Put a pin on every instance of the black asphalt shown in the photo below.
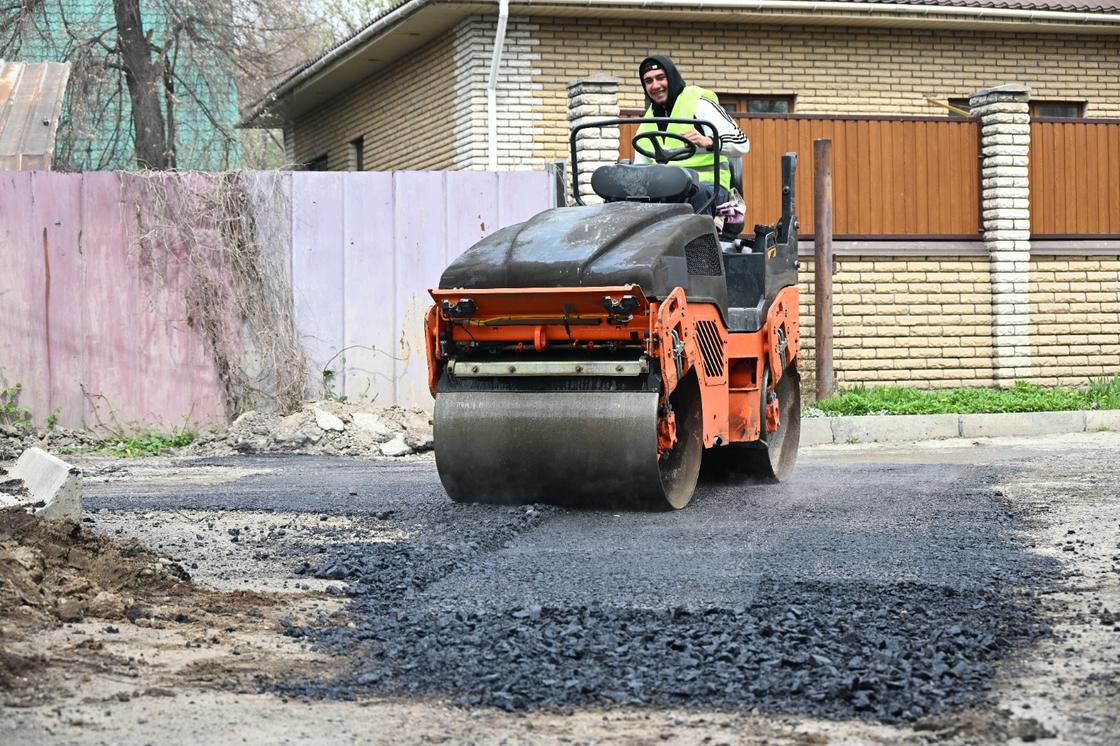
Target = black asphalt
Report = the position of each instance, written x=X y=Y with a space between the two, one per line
x=859 y=588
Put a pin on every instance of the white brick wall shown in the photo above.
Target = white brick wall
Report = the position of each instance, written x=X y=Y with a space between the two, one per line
x=517 y=95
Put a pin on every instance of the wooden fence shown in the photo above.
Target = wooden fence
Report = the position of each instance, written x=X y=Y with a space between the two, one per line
x=892 y=177
x=1075 y=178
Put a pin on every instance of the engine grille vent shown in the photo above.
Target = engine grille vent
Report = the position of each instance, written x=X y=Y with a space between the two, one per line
x=703 y=257
x=711 y=347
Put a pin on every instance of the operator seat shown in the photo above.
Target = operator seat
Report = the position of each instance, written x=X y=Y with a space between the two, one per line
x=652 y=182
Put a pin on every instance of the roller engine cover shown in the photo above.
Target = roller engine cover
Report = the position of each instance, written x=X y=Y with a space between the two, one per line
x=656 y=246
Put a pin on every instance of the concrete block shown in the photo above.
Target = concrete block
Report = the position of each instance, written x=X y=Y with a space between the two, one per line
x=1022 y=423
x=816 y=431
x=327 y=421
x=1102 y=419
x=371 y=424
x=396 y=446
x=54 y=487
x=894 y=428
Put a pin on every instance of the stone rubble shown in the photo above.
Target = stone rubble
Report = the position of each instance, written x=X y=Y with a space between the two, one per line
x=321 y=427
x=326 y=427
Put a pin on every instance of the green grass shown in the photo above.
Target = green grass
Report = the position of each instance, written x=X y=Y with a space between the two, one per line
x=1023 y=397
x=146 y=443
x=11 y=413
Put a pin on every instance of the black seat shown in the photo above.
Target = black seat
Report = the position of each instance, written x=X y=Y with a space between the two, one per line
x=736 y=173
x=624 y=182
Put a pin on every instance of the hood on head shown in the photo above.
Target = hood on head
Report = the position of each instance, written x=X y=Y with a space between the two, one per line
x=676 y=82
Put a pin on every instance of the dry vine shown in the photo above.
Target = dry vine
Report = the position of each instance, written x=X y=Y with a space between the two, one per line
x=223 y=239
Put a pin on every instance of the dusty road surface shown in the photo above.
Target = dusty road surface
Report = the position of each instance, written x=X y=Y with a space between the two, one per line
x=947 y=592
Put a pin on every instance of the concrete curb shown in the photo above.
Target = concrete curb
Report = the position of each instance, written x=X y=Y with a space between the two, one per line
x=904 y=428
x=54 y=488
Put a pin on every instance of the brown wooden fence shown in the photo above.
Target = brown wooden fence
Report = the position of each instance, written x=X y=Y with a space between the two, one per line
x=1075 y=179
x=892 y=177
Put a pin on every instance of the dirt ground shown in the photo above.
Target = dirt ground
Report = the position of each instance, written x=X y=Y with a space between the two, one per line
x=168 y=614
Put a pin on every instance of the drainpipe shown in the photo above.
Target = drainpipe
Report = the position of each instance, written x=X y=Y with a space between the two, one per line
x=492 y=86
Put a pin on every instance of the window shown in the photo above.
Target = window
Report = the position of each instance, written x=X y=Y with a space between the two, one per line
x=1062 y=109
x=1041 y=108
x=318 y=164
x=358 y=154
x=959 y=103
x=749 y=103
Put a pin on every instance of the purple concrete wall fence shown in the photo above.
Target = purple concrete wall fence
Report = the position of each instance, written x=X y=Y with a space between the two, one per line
x=383 y=239
x=82 y=328
x=87 y=332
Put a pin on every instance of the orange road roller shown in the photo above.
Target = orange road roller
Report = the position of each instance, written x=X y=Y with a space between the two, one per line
x=600 y=355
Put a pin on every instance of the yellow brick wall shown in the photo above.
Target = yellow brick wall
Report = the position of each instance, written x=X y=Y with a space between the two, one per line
x=1075 y=318
x=905 y=321
x=830 y=70
x=405 y=112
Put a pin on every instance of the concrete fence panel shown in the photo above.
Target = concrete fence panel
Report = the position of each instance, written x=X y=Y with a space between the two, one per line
x=99 y=311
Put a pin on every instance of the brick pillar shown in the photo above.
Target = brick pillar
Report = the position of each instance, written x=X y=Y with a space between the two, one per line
x=591 y=98
x=1005 y=136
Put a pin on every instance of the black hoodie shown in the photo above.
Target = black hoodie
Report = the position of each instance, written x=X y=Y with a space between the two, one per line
x=676 y=82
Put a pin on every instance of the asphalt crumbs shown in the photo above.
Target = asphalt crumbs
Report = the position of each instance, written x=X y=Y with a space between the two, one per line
x=858 y=589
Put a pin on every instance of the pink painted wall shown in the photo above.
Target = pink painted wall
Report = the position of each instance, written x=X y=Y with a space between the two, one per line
x=91 y=332
x=83 y=327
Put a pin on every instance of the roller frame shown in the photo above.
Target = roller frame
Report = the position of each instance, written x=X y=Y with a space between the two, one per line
x=681 y=337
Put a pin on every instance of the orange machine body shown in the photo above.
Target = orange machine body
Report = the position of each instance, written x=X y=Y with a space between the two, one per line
x=677 y=336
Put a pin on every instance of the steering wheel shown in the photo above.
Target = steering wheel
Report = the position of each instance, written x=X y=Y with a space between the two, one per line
x=661 y=154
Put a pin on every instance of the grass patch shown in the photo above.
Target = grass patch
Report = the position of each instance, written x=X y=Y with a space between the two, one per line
x=146 y=443
x=1022 y=397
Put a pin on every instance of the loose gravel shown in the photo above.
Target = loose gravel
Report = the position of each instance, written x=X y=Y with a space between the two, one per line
x=834 y=596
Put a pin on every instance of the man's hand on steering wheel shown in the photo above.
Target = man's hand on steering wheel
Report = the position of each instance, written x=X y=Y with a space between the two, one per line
x=701 y=141
x=660 y=152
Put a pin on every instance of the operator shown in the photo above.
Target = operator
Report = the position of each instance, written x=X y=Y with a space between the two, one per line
x=669 y=97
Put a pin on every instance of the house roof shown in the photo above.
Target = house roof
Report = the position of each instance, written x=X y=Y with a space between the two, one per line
x=408 y=24
x=30 y=106
x=1072 y=6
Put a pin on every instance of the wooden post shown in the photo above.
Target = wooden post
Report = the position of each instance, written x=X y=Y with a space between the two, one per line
x=822 y=265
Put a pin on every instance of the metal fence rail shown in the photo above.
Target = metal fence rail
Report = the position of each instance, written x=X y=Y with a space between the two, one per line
x=1075 y=179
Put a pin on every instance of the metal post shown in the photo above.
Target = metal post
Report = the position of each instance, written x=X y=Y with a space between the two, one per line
x=822 y=264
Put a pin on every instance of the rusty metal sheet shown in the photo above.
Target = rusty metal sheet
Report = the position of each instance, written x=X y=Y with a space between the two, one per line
x=30 y=107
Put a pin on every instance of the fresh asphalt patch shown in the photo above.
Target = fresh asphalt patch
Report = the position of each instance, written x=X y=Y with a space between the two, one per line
x=858 y=589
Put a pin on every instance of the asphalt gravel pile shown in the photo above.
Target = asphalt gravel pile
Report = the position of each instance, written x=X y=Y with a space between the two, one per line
x=842 y=644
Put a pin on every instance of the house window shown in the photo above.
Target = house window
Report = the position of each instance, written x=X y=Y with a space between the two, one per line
x=1059 y=109
x=1041 y=108
x=318 y=164
x=358 y=154
x=748 y=103
x=958 y=103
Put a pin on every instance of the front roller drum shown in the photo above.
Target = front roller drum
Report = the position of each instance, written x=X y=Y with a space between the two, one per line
x=596 y=450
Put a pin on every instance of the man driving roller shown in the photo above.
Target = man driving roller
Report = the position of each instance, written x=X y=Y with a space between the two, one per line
x=669 y=97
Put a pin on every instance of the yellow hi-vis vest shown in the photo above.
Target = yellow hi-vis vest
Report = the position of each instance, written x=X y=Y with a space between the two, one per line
x=685 y=108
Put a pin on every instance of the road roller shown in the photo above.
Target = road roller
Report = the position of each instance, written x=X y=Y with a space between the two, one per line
x=599 y=355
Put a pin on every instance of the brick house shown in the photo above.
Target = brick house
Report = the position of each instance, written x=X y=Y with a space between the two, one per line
x=1021 y=278
x=423 y=66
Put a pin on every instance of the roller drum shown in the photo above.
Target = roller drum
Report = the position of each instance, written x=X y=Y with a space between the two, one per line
x=588 y=449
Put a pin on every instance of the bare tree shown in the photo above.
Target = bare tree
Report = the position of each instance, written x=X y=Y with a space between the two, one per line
x=159 y=82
